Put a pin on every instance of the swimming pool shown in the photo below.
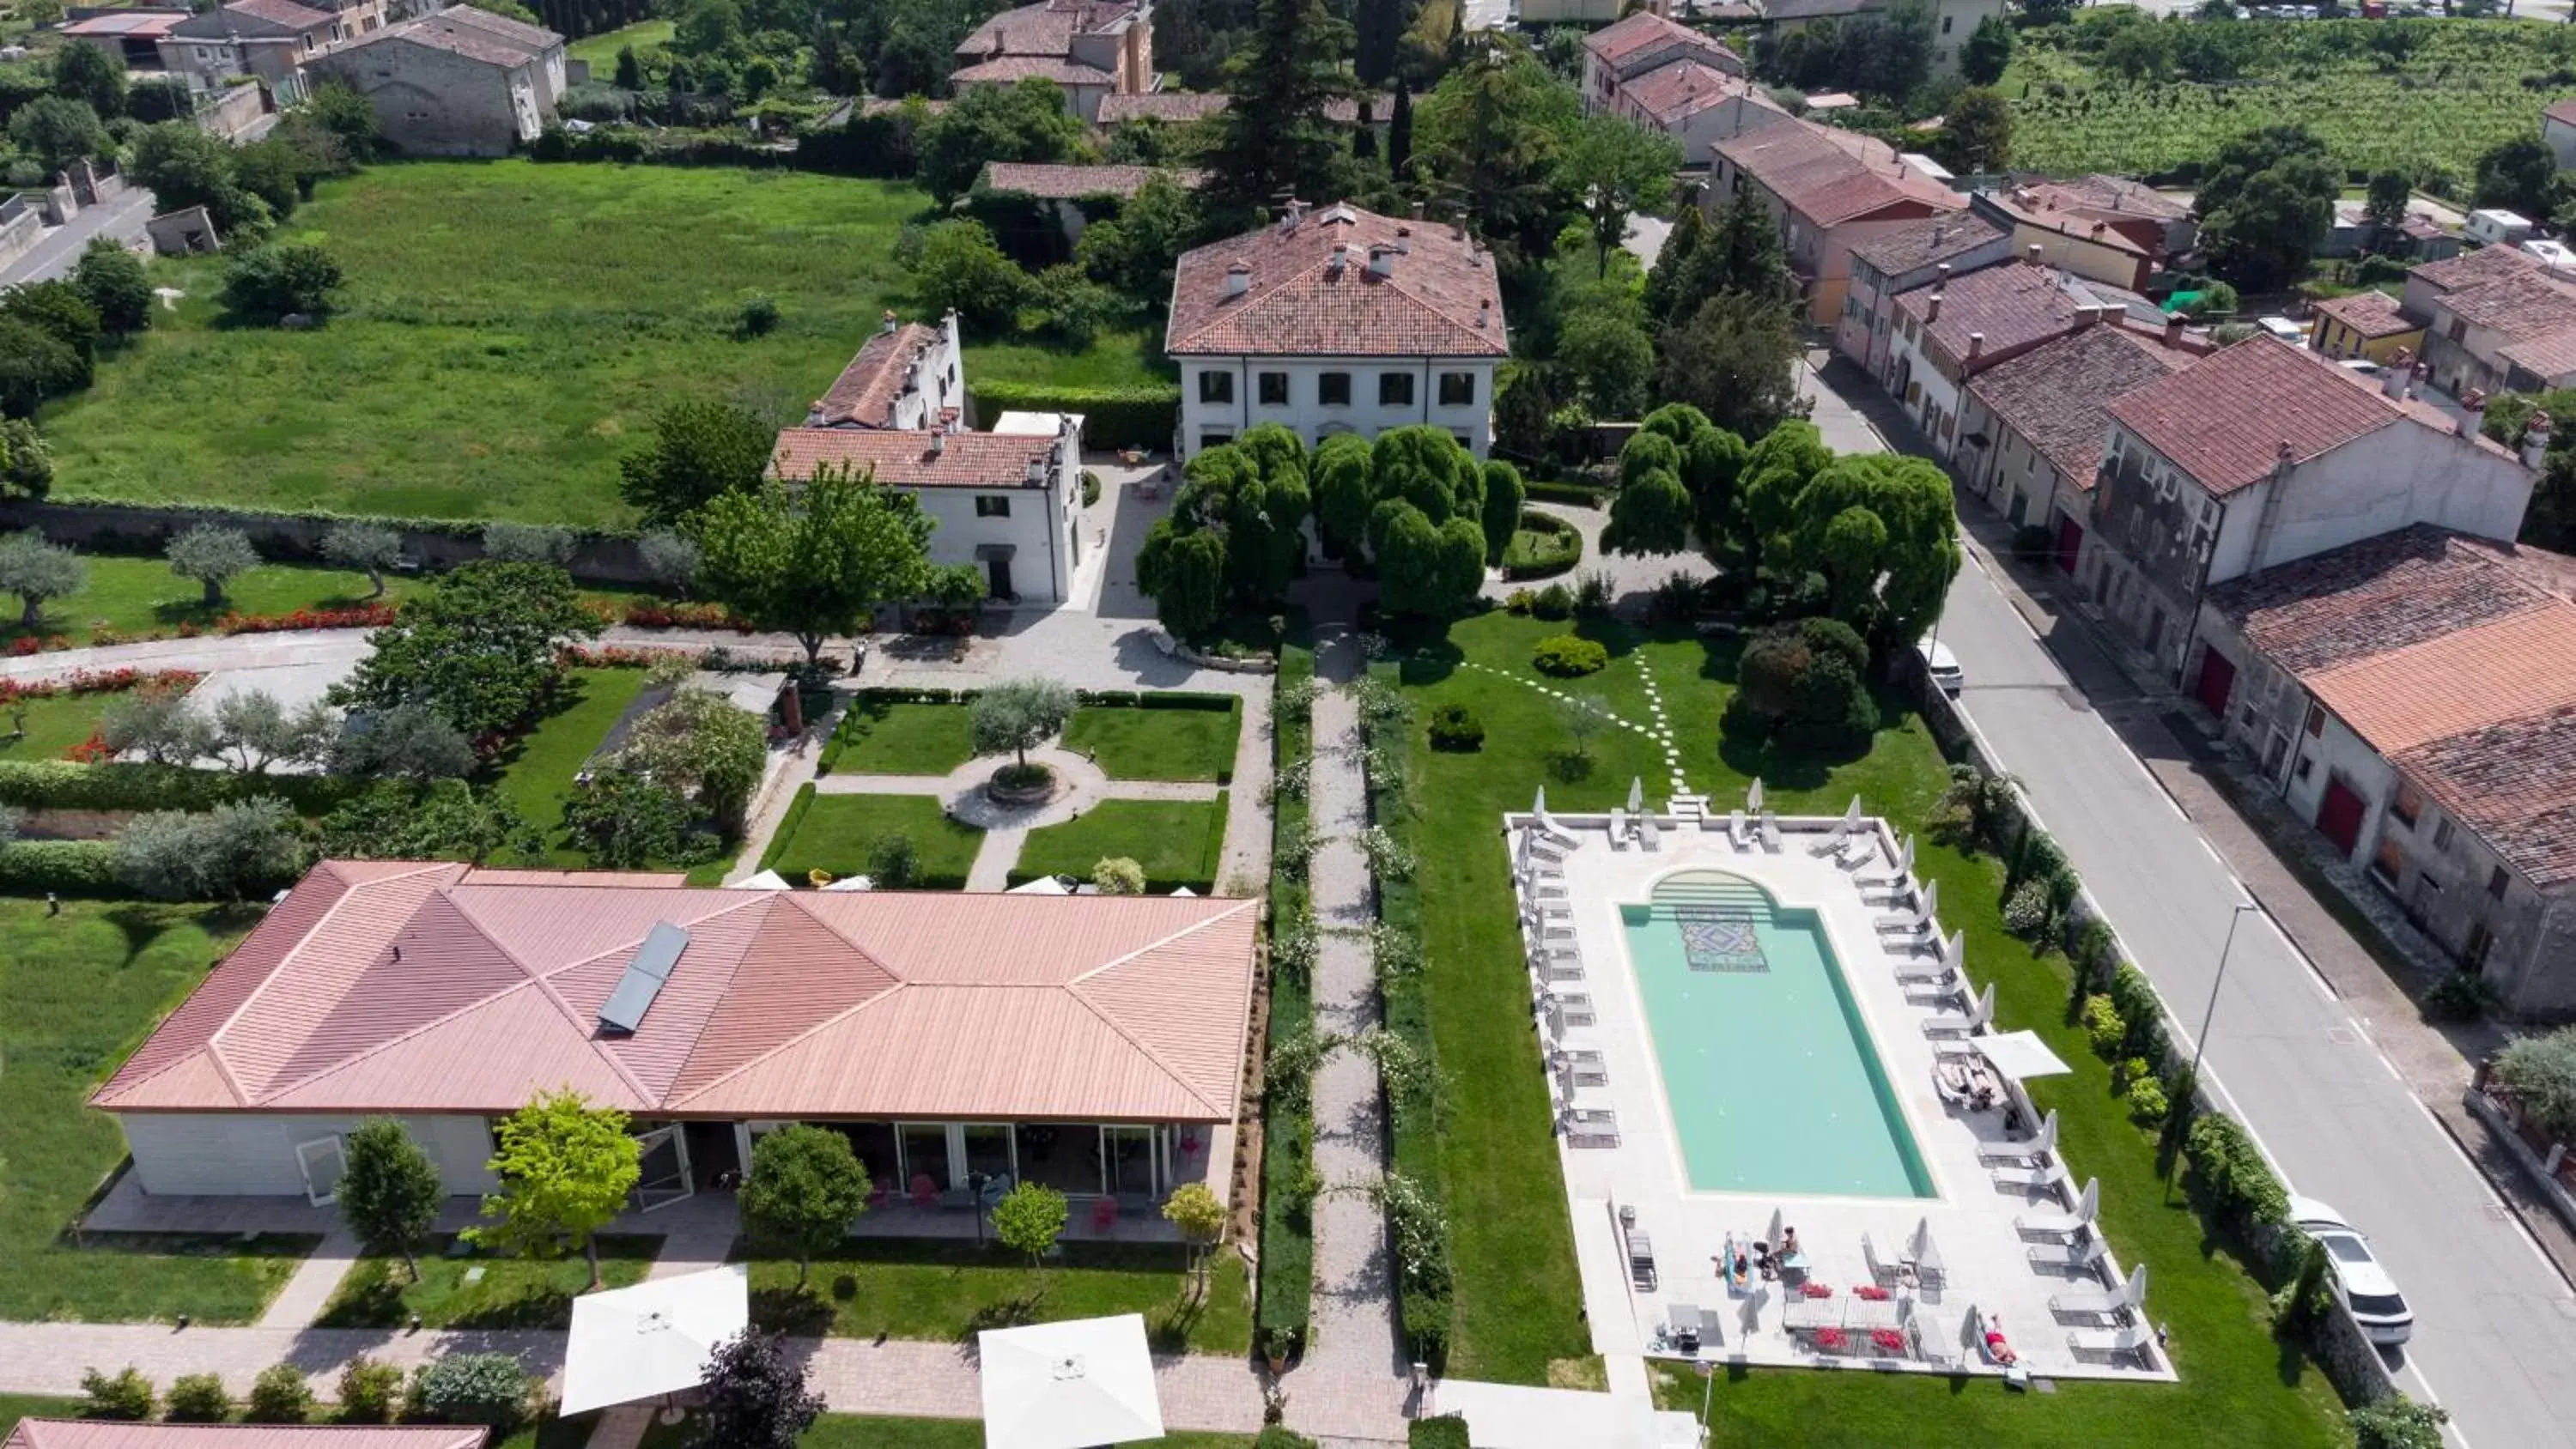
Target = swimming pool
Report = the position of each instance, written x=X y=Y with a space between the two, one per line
x=1772 y=1080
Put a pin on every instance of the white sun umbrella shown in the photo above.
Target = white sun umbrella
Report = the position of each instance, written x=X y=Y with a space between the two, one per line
x=1926 y=1253
x=1931 y=900
x=1636 y=793
x=1851 y=817
x=2046 y=1141
x=2134 y=1292
x=1774 y=1238
x=1067 y=1385
x=1954 y=952
x=652 y=1339
x=1045 y=885
x=1753 y=797
x=767 y=880
x=1538 y=807
x=2020 y=1055
x=1905 y=859
x=1983 y=1010
x=2089 y=1201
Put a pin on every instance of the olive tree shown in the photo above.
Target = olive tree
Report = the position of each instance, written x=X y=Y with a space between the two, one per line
x=1019 y=713
x=38 y=572
x=213 y=557
x=362 y=547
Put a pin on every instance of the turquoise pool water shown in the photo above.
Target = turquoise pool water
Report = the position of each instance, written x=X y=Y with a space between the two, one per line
x=1769 y=1071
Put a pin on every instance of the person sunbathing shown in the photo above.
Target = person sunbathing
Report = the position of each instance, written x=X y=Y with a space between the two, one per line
x=1996 y=1347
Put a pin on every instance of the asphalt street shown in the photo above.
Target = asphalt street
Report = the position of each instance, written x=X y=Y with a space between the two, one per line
x=2495 y=1323
x=61 y=247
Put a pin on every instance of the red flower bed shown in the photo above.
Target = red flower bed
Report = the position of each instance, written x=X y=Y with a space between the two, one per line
x=31 y=644
x=374 y=614
x=91 y=751
x=652 y=614
x=1829 y=1338
x=99 y=681
x=1887 y=1340
x=1870 y=1291
x=1817 y=1290
x=616 y=656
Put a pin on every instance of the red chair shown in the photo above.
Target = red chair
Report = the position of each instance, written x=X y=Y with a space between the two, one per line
x=925 y=1193
x=881 y=1192
x=1104 y=1214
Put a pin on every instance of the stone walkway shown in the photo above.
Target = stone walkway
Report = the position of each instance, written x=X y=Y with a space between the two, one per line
x=309 y=1291
x=1351 y=1385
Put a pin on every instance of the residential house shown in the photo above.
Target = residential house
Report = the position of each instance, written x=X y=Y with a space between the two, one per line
x=2517 y=331
x=1005 y=501
x=1091 y=49
x=2558 y=128
x=909 y=377
x=2416 y=236
x=456 y=82
x=1172 y=108
x=1953 y=21
x=131 y=35
x=1640 y=45
x=1698 y=106
x=1059 y=191
x=2261 y=454
x=1948 y=331
x=2368 y=325
x=1337 y=321
x=270 y=39
x=1830 y=191
x=2414 y=696
x=1091 y=1043
x=1901 y=259
x=2031 y=428
x=115 y=1434
x=1582 y=12
x=2098 y=227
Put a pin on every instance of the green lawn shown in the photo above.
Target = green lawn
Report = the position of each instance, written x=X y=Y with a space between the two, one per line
x=1117 y=358
x=1131 y=743
x=837 y=832
x=868 y=1431
x=1517 y=1295
x=1178 y=842
x=53 y=725
x=878 y=737
x=480 y=1291
x=15 y=1407
x=507 y=332
x=131 y=595
x=946 y=1289
x=77 y=993
x=601 y=49
x=536 y=770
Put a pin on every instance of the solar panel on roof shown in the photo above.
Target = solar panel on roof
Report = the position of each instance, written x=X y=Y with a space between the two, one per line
x=625 y=1007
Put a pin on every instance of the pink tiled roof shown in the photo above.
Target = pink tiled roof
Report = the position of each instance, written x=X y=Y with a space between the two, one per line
x=2082 y=224
x=1046 y=28
x=865 y=391
x=464 y=31
x=1996 y=311
x=1072 y=183
x=1675 y=92
x=1170 y=106
x=1829 y=175
x=2514 y=782
x=2388 y=592
x=2520 y=664
x=2563 y=112
x=1909 y=245
x=2549 y=357
x=410 y=987
x=2370 y=313
x=282 y=12
x=2113 y=194
x=1440 y=299
x=2054 y=394
x=907 y=458
x=2526 y=304
x=2227 y=418
x=1646 y=32
x=104 y=1434
x=1008 y=69
x=2468 y=269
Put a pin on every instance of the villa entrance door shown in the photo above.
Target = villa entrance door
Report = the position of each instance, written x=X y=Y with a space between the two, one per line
x=664 y=1176
x=323 y=1162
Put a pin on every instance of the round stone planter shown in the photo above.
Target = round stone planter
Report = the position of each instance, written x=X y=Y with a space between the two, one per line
x=1021 y=796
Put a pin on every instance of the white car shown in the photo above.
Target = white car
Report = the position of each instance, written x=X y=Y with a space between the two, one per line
x=2361 y=1280
x=1942 y=665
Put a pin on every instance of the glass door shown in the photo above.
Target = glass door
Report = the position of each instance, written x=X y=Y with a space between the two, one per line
x=925 y=1158
x=1127 y=1161
x=323 y=1162
x=663 y=1178
x=985 y=1147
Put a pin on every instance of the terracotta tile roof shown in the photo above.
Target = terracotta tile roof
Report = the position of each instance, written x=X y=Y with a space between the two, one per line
x=1072 y=183
x=284 y=13
x=1673 y=93
x=1924 y=243
x=908 y=459
x=2389 y=592
x=2468 y=269
x=2467 y=679
x=532 y=38
x=2226 y=419
x=2055 y=394
x=103 y=1434
x=2010 y=307
x=410 y=987
x=1046 y=28
x=2113 y=194
x=1175 y=107
x=2372 y=313
x=1831 y=176
x=2081 y=224
x=865 y=392
x=2523 y=305
x=463 y=31
x=1345 y=110
x=1642 y=34
x=2514 y=783
x=2563 y=112
x=1440 y=299
x=1010 y=69
x=2549 y=357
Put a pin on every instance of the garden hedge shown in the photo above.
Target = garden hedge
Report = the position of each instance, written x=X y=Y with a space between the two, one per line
x=1543 y=546
x=1159 y=698
x=66 y=785
x=1581 y=495
x=1143 y=416
x=1287 y=1285
x=70 y=867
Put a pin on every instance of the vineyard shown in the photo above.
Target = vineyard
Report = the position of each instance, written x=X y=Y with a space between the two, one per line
x=2403 y=94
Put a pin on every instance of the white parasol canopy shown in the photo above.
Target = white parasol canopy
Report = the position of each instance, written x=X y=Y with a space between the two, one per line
x=2021 y=1055
x=1931 y=901
x=1753 y=797
x=1905 y=858
x=1851 y=817
x=1636 y=793
x=852 y=883
x=1068 y=1385
x=2133 y=1294
x=651 y=1339
x=1926 y=1254
x=1045 y=885
x=767 y=880
x=2088 y=1203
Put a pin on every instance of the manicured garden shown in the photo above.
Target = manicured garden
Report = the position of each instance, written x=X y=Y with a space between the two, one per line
x=536 y=770
x=508 y=331
x=133 y=595
x=868 y=1431
x=1517 y=1292
x=1178 y=842
x=109 y=971
x=839 y=834
x=54 y=724
x=947 y=1288
x=1130 y=742
x=890 y=737
x=479 y=1290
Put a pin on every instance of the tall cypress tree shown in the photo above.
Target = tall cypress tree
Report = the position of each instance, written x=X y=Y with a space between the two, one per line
x=1399 y=131
x=1382 y=24
x=1273 y=137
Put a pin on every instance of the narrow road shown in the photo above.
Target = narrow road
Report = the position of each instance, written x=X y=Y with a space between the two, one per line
x=2495 y=1323
x=121 y=219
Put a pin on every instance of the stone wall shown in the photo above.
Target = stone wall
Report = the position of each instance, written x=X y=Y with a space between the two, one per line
x=22 y=225
x=143 y=528
x=233 y=112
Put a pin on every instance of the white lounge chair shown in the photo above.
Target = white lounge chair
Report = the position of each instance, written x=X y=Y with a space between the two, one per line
x=1620 y=830
x=2129 y=1297
x=1592 y=1127
x=2068 y=1224
x=2080 y=1258
x=1641 y=1260
x=1916 y=972
x=1950 y=1093
x=1687 y=1330
x=2048 y=1178
x=2136 y=1341
x=1935 y=1342
x=1736 y=834
x=1770 y=832
x=1964 y=1023
x=1581 y=1066
x=2034 y=1148
x=1878 y=1272
x=1647 y=835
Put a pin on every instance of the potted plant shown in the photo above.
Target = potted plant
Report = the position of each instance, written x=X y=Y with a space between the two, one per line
x=1276 y=1345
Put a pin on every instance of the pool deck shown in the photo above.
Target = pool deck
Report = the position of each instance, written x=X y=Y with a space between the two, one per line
x=1971 y=1220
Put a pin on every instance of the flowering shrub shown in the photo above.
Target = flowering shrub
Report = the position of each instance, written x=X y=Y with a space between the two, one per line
x=1387 y=860
x=374 y=614
x=583 y=656
x=30 y=644
x=1816 y=1290
x=657 y=614
x=1829 y=1338
x=1887 y=1340
x=99 y=681
x=91 y=751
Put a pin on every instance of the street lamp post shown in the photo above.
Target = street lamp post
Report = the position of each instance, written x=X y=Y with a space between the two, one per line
x=1707 y=1400
x=2200 y=1043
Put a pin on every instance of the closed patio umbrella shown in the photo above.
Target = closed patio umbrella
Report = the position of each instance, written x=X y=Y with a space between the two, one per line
x=1753 y=797
x=1636 y=793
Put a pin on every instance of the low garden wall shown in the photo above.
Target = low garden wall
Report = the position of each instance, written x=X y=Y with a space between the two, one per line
x=98 y=526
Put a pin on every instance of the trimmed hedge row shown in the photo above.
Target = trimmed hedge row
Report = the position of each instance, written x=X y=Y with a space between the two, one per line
x=1543 y=546
x=1580 y=495
x=1160 y=698
x=1144 y=416
x=1285 y=1309
x=67 y=785
x=1426 y=1315
x=70 y=867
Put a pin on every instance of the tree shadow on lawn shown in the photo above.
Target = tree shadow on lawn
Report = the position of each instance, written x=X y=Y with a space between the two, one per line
x=1785 y=763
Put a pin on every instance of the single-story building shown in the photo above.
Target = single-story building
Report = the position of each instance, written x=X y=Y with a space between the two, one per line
x=2367 y=324
x=1092 y=1043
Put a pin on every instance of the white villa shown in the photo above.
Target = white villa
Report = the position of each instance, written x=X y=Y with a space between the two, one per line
x=1337 y=321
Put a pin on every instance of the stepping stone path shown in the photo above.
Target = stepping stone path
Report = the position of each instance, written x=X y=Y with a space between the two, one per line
x=1660 y=731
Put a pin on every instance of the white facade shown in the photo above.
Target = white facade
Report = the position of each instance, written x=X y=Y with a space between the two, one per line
x=256 y=1154
x=1320 y=397
x=1024 y=538
x=1930 y=397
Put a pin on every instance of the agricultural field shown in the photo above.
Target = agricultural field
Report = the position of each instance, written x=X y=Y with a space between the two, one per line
x=2380 y=93
x=507 y=332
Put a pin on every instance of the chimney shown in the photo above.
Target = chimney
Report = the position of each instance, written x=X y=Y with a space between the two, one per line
x=938 y=444
x=886 y=324
x=1484 y=310
x=1976 y=345
x=2173 y=330
x=1404 y=240
x=814 y=414
x=2401 y=364
x=1458 y=227
x=2033 y=254
x=1940 y=234
x=1238 y=279
x=1941 y=274
x=1932 y=307
x=2535 y=440
x=2284 y=460
x=1341 y=255
x=1417 y=211
x=1038 y=467
x=1381 y=260
x=1294 y=213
